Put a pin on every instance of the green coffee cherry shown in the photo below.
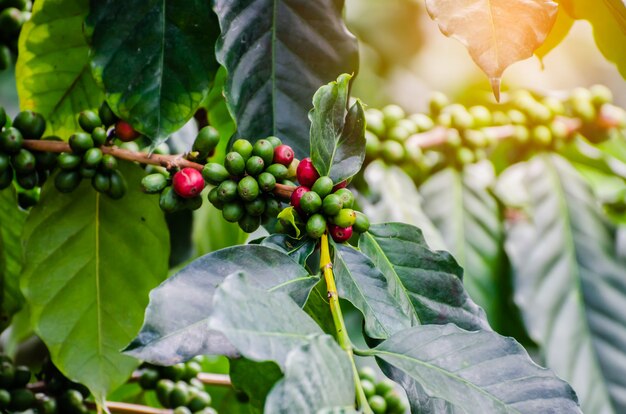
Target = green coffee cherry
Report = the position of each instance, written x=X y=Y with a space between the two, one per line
x=600 y=95
x=170 y=202
x=481 y=115
x=192 y=369
x=392 y=151
x=361 y=223
x=233 y=211
x=89 y=120
x=99 y=136
x=118 y=185
x=541 y=135
x=255 y=207
x=315 y=226
x=248 y=188
x=101 y=182
x=5 y=162
x=392 y=114
x=272 y=207
x=249 y=223
x=398 y=133
x=214 y=198
x=332 y=204
x=80 y=142
x=227 y=191
x=278 y=170
x=179 y=396
x=323 y=186
x=163 y=389
x=345 y=218
x=375 y=121
x=275 y=141
x=67 y=181
x=517 y=117
x=149 y=379
x=347 y=198
x=243 y=147
x=235 y=163
x=377 y=404
x=437 y=102
x=369 y=388
x=214 y=173
x=423 y=122
x=368 y=373
x=372 y=145
x=92 y=157
x=193 y=203
x=384 y=386
x=31 y=124
x=266 y=181
x=6 y=178
x=198 y=400
x=48 y=405
x=21 y=399
x=24 y=162
x=106 y=115
x=87 y=172
x=465 y=156
x=264 y=149
x=11 y=141
x=394 y=402
x=206 y=141
x=131 y=146
x=153 y=183
x=310 y=202
x=255 y=165
x=68 y=161
x=109 y=162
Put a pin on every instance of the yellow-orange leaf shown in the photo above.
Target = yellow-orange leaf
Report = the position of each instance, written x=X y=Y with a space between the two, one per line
x=497 y=33
x=560 y=30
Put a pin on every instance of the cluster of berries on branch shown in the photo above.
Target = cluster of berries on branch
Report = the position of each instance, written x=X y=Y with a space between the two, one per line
x=382 y=396
x=13 y=15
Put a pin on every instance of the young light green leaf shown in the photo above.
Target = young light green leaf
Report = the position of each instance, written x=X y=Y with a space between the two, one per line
x=90 y=262
x=497 y=33
x=175 y=326
x=426 y=285
x=261 y=325
x=277 y=53
x=461 y=206
x=52 y=71
x=337 y=135
x=570 y=285
x=361 y=282
x=318 y=376
x=155 y=60
x=11 y=227
x=482 y=370
x=288 y=215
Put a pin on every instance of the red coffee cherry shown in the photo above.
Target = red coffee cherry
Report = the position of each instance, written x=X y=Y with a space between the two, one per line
x=296 y=196
x=283 y=154
x=340 y=234
x=125 y=132
x=306 y=173
x=188 y=182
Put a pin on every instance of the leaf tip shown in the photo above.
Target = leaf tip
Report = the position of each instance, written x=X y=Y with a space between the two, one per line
x=495 y=86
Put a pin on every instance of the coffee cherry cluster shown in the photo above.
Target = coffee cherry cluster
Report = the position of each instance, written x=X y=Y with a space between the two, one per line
x=532 y=121
x=381 y=395
x=54 y=394
x=29 y=169
x=178 y=387
x=13 y=15
x=322 y=204
x=180 y=190
x=87 y=161
x=244 y=184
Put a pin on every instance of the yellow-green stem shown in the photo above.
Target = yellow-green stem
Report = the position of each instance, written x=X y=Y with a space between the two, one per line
x=326 y=266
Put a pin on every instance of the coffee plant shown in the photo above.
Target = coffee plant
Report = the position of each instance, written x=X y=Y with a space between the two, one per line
x=197 y=216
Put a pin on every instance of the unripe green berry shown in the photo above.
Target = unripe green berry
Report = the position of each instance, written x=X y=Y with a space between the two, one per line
x=272 y=207
x=310 y=202
x=243 y=147
x=279 y=171
x=206 y=141
x=275 y=141
x=67 y=181
x=264 y=149
x=149 y=379
x=101 y=182
x=392 y=114
x=347 y=198
x=80 y=142
x=255 y=165
x=541 y=135
x=68 y=161
x=31 y=124
x=6 y=178
x=377 y=404
x=106 y=115
x=153 y=183
x=332 y=204
x=367 y=373
x=255 y=207
x=235 y=163
x=437 y=102
x=384 y=386
x=361 y=223
x=89 y=120
x=392 y=151
x=5 y=162
x=375 y=121
x=11 y=140
x=323 y=186
x=249 y=223
x=92 y=158
x=99 y=136
x=345 y=218
x=372 y=145
x=169 y=201
x=179 y=396
x=316 y=226
x=27 y=181
x=266 y=181
x=118 y=185
x=233 y=211
x=369 y=388
x=214 y=198
x=248 y=188
x=227 y=191
x=24 y=162
x=3 y=117
x=214 y=173
x=109 y=162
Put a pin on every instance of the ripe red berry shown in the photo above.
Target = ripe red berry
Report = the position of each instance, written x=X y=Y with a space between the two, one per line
x=188 y=182
x=283 y=154
x=296 y=196
x=340 y=234
x=125 y=132
x=306 y=173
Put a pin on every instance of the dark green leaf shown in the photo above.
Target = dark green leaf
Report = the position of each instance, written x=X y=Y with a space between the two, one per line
x=570 y=285
x=277 y=53
x=175 y=326
x=261 y=325
x=318 y=308
x=256 y=379
x=469 y=219
x=90 y=263
x=426 y=285
x=298 y=249
x=361 y=282
x=318 y=375
x=155 y=60
x=11 y=227
x=480 y=371
x=52 y=71
x=337 y=135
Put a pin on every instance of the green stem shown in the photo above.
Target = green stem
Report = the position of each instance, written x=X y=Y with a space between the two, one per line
x=340 y=326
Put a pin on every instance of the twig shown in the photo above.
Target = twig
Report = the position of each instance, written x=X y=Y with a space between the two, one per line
x=127 y=408
x=206 y=378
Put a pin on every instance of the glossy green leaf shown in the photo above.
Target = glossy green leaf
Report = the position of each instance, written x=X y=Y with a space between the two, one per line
x=362 y=283
x=261 y=325
x=278 y=53
x=52 y=72
x=90 y=262
x=318 y=376
x=317 y=307
x=289 y=216
x=256 y=379
x=298 y=249
x=11 y=227
x=395 y=199
x=608 y=18
x=480 y=371
x=175 y=326
x=468 y=217
x=155 y=60
x=218 y=115
x=570 y=285
x=337 y=134
x=426 y=285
